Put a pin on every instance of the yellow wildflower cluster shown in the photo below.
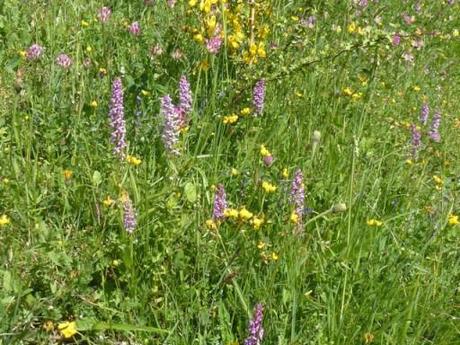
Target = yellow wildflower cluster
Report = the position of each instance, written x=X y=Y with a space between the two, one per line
x=133 y=160
x=453 y=219
x=67 y=329
x=243 y=215
x=209 y=15
x=67 y=174
x=4 y=220
x=294 y=218
x=108 y=201
x=374 y=222
x=355 y=28
x=439 y=183
x=230 y=119
x=268 y=187
x=265 y=254
x=355 y=96
x=243 y=29
x=264 y=151
x=234 y=23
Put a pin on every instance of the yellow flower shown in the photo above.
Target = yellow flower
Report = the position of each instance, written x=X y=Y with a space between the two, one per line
x=245 y=111
x=348 y=91
x=352 y=27
x=374 y=222
x=22 y=53
x=231 y=213
x=268 y=187
x=67 y=174
x=368 y=338
x=417 y=88
x=257 y=222
x=457 y=123
x=67 y=329
x=234 y=172
x=145 y=92
x=4 y=220
x=285 y=173
x=93 y=104
x=438 y=180
x=198 y=38
x=211 y=24
x=89 y=49
x=357 y=96
x=245 y=214
x=274 y=256
x=192 y=3
x=102 y=71
x=108 y=201
x=264 y=152
x=453 y=219
x=48 y=326
x=133 y=160
x=261 y=51
x=231 y=119
x=261 y=245
x=294 y=217
x=211 y=224
x=84 y=23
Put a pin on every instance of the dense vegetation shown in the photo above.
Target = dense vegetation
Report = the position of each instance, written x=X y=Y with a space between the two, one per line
x=172 y=170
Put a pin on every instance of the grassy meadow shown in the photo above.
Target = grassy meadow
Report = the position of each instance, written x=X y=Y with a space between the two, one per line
x=230 y=172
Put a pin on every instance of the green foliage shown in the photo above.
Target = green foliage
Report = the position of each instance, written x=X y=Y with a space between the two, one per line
x=383 y=270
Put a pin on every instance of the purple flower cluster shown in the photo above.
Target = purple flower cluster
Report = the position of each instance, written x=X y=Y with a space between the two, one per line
x=258 y=96
x=268 y=160
x=64 y=61
x=171 y=124
x=185 y=95
x=34 y=52
x=135 y=29
x=435 y=124
x=213 y=44
x=104 y=14
x=255 y=329
x=117 y=118
x=298 y=194
x=396 y=40
x=309 y=22
x=220 y=203
x=416 y=140
x=129 y=215
x=424 y=113
x=176 y=116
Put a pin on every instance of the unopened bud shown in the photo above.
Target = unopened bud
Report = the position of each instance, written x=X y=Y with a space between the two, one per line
x=339 y=208
x=316 y=137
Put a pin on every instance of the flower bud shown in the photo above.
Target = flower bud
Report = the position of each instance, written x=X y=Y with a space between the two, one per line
x=341 y=207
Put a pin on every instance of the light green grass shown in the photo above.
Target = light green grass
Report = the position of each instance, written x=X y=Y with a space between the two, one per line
x=66 y=256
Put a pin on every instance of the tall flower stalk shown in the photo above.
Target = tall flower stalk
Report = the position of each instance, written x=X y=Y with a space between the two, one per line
x=117 y=119
x=298 y=199
x=424 y=113
x=416 y=140
x=220 y=204
x=258 y=96
x=171 y=125
x=255 y=329
x=185 y=101
x=435 y=124
x=129 y=214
